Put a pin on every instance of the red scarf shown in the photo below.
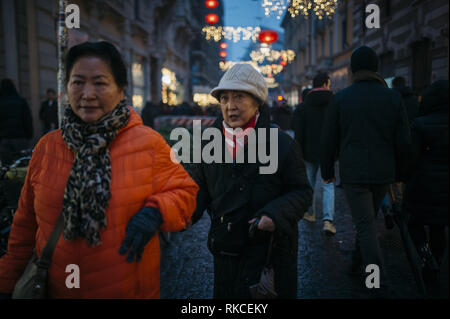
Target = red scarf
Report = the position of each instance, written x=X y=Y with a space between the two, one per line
x=236 y=140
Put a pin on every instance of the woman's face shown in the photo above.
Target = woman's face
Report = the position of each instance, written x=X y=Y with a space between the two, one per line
x=92 y=90
x=237 y=108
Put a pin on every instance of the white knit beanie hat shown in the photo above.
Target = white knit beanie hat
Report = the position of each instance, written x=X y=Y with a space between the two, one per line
x=243 y=77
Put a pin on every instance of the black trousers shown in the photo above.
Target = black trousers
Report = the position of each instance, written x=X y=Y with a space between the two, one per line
x=364 y=201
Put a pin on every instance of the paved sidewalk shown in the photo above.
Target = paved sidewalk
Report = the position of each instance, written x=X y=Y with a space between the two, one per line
x=187 y=270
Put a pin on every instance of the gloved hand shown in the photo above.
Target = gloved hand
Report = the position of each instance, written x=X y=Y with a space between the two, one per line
x=140 y=230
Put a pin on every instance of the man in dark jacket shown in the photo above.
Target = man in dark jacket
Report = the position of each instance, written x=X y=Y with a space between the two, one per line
x=367 y=129
x=48 y=113
x=295 y=124
x=16 y=124
x=308 y=134
x=409 y=99
x=237 y=195
x=426 y=194
x=282 y=115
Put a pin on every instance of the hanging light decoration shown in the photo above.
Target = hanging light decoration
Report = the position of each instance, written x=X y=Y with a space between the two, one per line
x=321 y=8
x=223 y=54
x=211 y=4
x=277 y=7
x=231 y=33
x=212 y=18
x=268 y=36
x=259 y=56
x=283 y=62
x=223 y=45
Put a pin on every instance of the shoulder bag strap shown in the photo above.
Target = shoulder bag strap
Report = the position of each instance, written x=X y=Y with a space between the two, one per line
x=47 y=252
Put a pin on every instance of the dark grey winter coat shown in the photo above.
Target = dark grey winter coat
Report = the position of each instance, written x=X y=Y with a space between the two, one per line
x=235 y=193
x=366 y=128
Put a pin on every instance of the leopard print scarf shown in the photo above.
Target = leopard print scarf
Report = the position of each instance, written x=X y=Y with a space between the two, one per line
x=87 y=192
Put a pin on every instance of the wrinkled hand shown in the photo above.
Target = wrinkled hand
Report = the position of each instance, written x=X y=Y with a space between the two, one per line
x=140 y=229
x=265 y=223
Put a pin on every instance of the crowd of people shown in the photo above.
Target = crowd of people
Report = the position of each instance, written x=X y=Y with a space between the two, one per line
x=116 y=186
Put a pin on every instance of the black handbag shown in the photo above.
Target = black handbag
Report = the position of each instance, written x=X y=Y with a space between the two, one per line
x=265 y=288
x=33 y=282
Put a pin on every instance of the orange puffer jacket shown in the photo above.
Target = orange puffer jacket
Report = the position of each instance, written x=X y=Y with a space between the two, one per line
x=142 y=174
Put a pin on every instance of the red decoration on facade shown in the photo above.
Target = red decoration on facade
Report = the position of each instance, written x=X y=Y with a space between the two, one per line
x=268 y=36
x=223 y=54
x=223 y=45
x=211 y=4
x=283 y=63
x=212 y=18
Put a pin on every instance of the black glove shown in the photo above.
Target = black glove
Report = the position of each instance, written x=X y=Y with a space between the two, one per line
x=140 y=230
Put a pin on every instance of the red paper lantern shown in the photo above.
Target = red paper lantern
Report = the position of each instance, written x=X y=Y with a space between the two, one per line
x=268 y=36
x=223 y=54
x=223 y=45
x=211 y=4
x=212 y=18
x=283 y=62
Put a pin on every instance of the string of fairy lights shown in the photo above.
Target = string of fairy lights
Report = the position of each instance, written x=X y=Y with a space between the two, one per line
x=268 y=61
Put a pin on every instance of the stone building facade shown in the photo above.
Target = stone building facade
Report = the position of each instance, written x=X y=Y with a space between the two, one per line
x=153 y=37
x=412 y=41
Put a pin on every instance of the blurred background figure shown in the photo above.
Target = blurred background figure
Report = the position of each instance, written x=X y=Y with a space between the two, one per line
x=148 y=113
x=426 y=194
x=282 y=116
x=48 y=113
x=409 y=99
x=309 y=124
x=16 y=126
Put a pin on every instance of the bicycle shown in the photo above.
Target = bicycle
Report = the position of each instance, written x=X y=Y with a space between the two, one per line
x=11 y=182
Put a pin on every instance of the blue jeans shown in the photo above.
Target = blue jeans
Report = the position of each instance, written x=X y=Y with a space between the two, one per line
x=327 y=191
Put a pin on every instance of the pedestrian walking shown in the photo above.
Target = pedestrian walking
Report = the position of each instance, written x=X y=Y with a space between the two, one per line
x=311 y=118
x=366 y=127
x=48 y=112
x=409 y=99
x=147 y=114
x=426 y=193
x=412 y=109
x=282 y=115
x=16 y=124
x=246 y=207
x=113 y=181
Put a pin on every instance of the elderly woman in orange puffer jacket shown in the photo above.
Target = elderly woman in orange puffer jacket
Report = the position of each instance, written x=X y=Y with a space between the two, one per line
x=112 y=179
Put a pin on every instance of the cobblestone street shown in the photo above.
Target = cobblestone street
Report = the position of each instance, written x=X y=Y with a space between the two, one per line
x=187 y=270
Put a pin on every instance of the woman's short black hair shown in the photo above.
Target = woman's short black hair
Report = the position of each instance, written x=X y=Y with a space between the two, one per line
x=102 y=50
